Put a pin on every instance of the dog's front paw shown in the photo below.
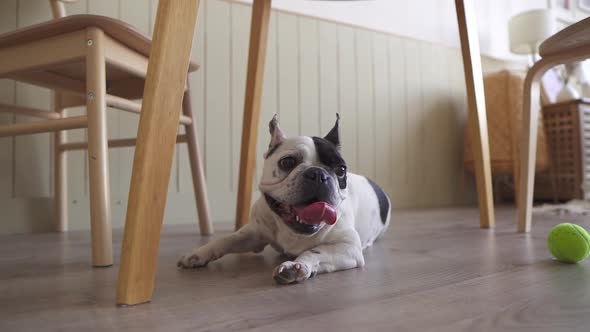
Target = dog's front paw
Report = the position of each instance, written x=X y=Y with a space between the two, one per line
x=192 y=260
x=290 y=272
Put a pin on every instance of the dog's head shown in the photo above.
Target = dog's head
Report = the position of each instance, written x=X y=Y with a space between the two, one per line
x=304 y=178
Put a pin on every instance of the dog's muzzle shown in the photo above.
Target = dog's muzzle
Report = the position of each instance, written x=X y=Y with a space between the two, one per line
x=306 y=218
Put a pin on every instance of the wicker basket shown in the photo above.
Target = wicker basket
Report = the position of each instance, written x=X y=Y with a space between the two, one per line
x=503 y=92
x=568 y=130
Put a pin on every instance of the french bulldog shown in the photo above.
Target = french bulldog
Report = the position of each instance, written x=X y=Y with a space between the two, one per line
x=311 y=209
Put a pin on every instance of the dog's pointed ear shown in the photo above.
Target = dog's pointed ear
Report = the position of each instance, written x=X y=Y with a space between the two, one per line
x=334 y=134
x=276 y=135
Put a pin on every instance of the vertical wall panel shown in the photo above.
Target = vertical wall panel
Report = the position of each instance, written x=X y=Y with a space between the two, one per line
x=383 y=114
x=288 y=71
x=429 y=157
x=32 y=152
x=399 y=122
x=329 y=75
x=78 y=7
x=309 y=82
x=8 y=22
x=442 y=129
x=414 y=109
x=218 y=105
x=109 y=8
x=347 y=88
x=365 y=103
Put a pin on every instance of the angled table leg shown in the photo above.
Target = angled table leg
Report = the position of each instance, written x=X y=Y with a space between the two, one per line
x=476 y=104
x=256 y=59
x=528 y=152
x=530 y=121
x=158 y=125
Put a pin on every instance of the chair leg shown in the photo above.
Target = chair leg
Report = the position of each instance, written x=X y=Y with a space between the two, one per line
x=98 y=161
x=516 y=178
x=476 y=104
x=197 y=171
x=528 y=152
x=256 y=59
x=60 y=180
x=158 y=126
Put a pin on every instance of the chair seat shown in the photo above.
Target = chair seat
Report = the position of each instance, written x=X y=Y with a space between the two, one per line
x=575 y=36
x=118 y=30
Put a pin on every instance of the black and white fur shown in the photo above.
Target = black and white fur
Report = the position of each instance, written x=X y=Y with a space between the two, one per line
x=298 y=171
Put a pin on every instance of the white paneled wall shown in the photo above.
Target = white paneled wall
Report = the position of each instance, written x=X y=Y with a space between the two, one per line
x=402 y=105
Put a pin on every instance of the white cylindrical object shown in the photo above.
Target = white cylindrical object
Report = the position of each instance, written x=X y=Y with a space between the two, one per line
x=529 y=29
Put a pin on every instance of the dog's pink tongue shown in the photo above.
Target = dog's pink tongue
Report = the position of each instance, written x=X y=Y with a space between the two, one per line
x=317 y=212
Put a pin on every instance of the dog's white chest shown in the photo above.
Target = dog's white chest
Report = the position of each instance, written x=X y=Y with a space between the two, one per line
x=289 y=243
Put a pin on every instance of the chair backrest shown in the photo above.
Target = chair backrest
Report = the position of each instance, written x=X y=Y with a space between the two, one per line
x=58 y=9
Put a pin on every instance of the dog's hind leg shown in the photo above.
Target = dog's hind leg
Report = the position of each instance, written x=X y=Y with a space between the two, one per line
x=245 y=240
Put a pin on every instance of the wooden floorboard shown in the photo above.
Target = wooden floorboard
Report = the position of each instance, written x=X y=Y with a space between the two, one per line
x=435 y=270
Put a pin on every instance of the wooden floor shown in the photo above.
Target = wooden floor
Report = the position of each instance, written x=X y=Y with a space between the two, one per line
x=434 y=271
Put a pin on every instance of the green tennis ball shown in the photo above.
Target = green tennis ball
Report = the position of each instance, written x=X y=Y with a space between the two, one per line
x=569 y=243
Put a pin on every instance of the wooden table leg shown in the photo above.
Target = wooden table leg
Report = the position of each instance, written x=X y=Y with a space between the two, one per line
x=256 y=59
x=158 y=125
x=476 y=104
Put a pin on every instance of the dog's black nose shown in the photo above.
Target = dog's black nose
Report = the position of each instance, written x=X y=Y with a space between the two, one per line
x=315 y=175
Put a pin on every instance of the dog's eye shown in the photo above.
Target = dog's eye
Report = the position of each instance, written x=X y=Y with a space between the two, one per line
x=287 y=163
x=340 y=171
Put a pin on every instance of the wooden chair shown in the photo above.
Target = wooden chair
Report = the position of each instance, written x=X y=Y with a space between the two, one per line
x=98 y=62
x=569 y=45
